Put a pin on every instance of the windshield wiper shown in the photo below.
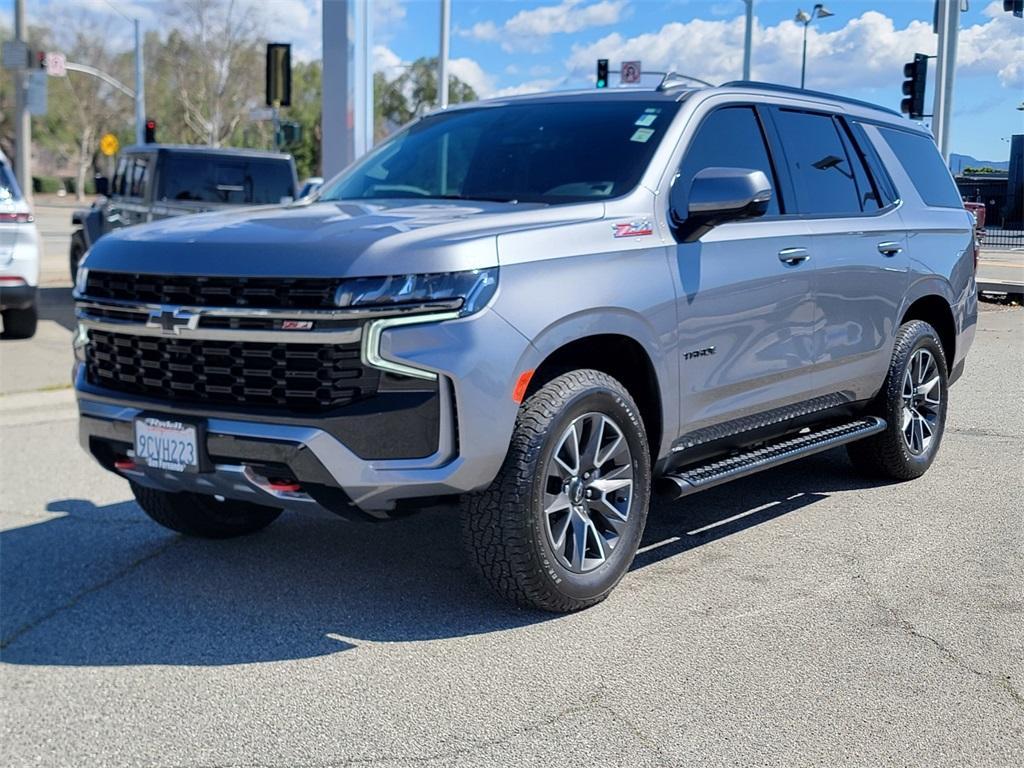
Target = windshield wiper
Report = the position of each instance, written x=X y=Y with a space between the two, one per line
x=477 y=198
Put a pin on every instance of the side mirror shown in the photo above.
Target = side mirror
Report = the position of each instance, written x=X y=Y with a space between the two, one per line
x=102 y=185
x=717 y=196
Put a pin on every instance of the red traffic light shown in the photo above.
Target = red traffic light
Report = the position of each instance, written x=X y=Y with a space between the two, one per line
x=150 y=131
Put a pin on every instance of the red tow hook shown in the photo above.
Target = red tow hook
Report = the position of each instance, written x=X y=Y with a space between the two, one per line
x=284 y=486
x=124 y=464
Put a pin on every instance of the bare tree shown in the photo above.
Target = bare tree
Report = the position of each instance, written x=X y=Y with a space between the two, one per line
x=82 y=107
x=217 y=54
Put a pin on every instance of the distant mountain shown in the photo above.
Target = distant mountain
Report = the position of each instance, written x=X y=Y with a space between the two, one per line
x=957 y=163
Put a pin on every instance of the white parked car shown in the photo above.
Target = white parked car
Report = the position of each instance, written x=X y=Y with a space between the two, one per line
x=19 y=259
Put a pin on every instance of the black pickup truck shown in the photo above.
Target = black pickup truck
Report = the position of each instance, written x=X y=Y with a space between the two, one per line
x=154 y=181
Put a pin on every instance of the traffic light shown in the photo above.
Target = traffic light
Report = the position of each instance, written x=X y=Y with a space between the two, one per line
x=279 y=75
x=1016 y=7
x=602 y=73
x=41 y=59
x=916 y=72
x=150 y=130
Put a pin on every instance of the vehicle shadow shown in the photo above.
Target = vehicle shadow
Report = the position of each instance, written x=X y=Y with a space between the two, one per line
x=103 y=586
x=56 y=304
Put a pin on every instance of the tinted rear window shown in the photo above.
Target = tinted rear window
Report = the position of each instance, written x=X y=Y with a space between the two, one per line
x=921 y=160
x=239 y=181
x=819 y=164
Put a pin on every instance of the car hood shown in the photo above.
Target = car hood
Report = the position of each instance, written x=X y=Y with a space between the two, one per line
x=336 y=238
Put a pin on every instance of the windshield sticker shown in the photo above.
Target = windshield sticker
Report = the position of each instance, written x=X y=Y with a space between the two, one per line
x=635 y=228
x=642 y=135
x=646 y=119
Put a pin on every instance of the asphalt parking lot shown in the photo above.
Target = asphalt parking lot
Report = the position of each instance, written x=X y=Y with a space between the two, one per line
x=804 y=616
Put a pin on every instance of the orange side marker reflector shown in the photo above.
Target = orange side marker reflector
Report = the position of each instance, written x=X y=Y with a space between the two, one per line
x=519 y=392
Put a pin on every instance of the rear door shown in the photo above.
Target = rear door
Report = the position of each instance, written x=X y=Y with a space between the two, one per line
x=745 y=302
x=859 y=256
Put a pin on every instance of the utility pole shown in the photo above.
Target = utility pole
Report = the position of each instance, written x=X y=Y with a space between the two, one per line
x=140 y=89
x=22 y=119
x=748 y=33
x=947 y=20
x=442 y=61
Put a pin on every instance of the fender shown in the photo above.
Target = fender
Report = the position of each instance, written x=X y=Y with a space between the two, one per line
x=90 y=223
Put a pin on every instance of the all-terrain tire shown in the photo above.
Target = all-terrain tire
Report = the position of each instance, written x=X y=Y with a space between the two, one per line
x=505 y=527
x=193 y=514
x=20 y=323
x=889 y=454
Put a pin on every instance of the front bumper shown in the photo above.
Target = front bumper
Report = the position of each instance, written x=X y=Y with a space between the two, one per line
x=477 y=360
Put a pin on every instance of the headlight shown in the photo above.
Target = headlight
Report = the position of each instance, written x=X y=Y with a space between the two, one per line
x=81 y=280
x=467 y=291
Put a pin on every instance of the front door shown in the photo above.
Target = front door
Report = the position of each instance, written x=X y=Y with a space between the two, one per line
x=745 y=301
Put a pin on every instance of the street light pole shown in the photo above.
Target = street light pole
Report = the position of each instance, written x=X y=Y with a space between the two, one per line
x=22 y=119
x=442 y=60
x=140 y=89
x=819 y=11
x=748 y=33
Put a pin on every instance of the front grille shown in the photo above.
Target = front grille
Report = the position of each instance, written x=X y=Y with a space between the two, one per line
x=255 y=292
x=201 y=371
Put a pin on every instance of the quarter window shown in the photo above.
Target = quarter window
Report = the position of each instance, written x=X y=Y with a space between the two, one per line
x=921 y=160
x=824 y=177
x=730 y=137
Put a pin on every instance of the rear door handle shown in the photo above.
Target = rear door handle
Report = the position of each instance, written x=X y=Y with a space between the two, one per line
x=793 y=256
x=889 y=249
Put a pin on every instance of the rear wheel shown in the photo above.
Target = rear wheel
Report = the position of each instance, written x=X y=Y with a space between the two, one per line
x=913 y=402
x=561 y=523
x=20 y=323
x=203 y=516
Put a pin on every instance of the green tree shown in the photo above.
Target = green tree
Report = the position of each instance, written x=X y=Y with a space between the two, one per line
x=412 y=93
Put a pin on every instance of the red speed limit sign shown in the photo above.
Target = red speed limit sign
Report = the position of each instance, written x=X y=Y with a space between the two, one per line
x=630 y=72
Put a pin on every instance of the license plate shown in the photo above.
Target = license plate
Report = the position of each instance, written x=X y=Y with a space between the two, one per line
x=167 y=444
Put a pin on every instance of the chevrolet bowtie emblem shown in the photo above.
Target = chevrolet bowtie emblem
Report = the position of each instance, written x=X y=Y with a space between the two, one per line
x=172 y=320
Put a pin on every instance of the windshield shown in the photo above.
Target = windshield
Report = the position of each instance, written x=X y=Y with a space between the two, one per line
x=550 y=152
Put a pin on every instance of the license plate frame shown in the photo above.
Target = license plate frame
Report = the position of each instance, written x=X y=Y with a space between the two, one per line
x=170 y=444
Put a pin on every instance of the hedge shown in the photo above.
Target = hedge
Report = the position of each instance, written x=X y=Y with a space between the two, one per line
x=44 y=185
x=71 y=184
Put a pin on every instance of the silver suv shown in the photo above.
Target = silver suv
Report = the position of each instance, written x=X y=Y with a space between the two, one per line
x=543 y=308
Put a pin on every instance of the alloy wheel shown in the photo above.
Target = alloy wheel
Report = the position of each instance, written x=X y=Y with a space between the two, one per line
x=922 y=401
x=588 y=492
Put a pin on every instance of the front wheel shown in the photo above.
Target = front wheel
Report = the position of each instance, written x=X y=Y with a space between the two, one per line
x=560 y=525
x=201 y=516
x=913 y=402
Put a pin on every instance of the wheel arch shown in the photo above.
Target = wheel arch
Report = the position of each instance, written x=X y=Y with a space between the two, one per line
x=937 y=312
x=623 y=358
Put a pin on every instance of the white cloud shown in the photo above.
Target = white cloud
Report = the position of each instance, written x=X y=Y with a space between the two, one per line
x=386 y=12
x=867 y=52
x=471 y=73
x=529 y=30
x=531 y=86
x=387 y=61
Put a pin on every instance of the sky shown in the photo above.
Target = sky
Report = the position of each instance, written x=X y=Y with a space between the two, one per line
x=517 y=46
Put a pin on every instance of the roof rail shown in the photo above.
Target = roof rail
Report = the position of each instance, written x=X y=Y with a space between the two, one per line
x=671 y=80
x=803 y=91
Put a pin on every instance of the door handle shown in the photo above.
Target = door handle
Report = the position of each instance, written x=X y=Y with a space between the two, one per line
x=793 y=256
x=889 y=249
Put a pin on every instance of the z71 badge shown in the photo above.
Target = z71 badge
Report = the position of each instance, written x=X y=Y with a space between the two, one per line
x=635 y=228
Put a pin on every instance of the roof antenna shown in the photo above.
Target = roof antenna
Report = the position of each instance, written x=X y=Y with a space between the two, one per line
x=670 y=80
